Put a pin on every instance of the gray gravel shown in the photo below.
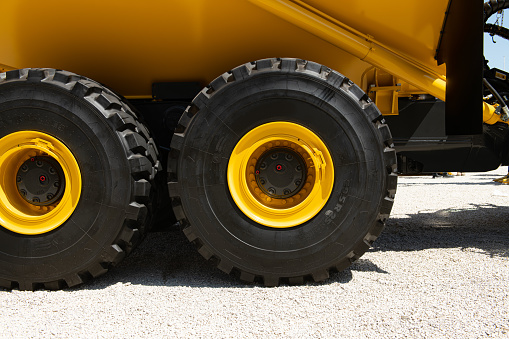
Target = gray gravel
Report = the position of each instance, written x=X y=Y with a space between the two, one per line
x=439 y=270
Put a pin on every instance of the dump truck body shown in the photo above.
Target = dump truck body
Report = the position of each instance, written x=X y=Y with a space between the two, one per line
x=264 y=124
x=132 y=45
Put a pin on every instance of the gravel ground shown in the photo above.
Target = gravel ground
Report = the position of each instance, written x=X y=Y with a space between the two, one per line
x=439 y=270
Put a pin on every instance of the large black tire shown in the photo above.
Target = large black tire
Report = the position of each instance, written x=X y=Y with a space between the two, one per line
x=292 y=91
x=118 y=163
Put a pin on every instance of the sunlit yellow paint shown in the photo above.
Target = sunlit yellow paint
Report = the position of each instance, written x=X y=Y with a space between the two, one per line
x=490 y=116
x=18 y=215
x=129 y=45
x=363 y=47
x=289 y=212
x=367 y=47
x=5 y=68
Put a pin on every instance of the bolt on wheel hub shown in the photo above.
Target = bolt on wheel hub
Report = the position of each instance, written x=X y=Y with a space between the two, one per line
x=280 y=173
x=40 y=181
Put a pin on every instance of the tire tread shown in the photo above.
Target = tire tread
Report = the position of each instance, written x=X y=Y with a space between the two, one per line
x=335 y=80
x=142 y=156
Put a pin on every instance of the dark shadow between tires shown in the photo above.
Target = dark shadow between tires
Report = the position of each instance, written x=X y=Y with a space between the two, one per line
x=168 y=259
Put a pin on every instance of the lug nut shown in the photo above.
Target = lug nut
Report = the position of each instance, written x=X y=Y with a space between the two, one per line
x=18 y=179
x=298 y=168
x=38 y=163
x=274 y=156
x=36 y=199
x=286 y=192
x=272 y=190
x=289 y=157
x=23 y=193
x=56 y=184
x=297 y=182
x=262 y=181
x=52 y=170
x=49 y=196
x=24 y=168
x=263 y=166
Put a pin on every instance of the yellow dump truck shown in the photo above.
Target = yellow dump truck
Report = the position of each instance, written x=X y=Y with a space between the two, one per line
x=271 y=131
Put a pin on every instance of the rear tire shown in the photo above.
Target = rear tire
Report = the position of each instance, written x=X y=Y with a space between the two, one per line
x=267 y=100
x=116 y=161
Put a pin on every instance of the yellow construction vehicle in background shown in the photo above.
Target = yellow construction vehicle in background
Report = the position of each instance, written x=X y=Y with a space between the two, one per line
x=271 y=131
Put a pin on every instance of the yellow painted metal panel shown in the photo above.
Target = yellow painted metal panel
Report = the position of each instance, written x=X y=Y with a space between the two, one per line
x=359 y=45
x=411 y=27
x=131 y=44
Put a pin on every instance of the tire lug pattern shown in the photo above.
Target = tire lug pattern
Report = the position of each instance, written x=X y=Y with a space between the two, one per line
x=142 y=156
x=284 y=66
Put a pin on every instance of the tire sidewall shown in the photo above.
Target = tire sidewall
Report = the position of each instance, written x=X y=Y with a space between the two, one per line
x=103 y=165
x=359 y=185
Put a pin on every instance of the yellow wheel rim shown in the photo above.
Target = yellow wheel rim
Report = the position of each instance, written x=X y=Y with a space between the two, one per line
x=44 y=207
x=280 y=174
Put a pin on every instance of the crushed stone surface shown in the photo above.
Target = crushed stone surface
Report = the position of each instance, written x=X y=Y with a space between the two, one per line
x=440 y=269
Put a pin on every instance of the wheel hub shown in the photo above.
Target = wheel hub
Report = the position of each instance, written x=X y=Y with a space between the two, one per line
x=40 y=181
x=40 y=185
x=280 y=173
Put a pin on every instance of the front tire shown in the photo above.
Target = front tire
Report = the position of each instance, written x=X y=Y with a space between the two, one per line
x=270 y=113
x=78 y=179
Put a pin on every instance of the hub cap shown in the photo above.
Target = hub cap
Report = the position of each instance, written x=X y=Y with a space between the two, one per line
x=39 y=181
x=280 y=173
